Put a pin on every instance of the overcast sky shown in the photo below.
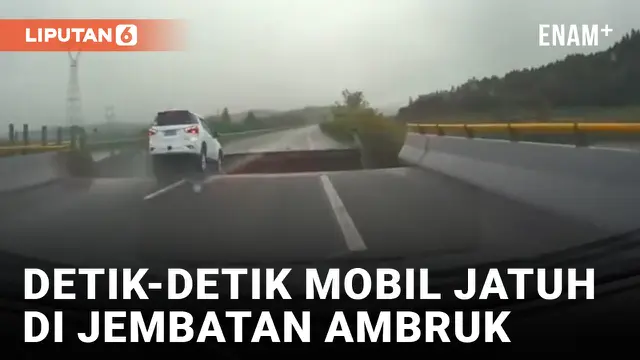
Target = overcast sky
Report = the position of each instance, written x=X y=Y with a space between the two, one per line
x=281 y=54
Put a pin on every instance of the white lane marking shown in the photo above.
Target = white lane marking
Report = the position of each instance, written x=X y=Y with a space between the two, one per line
x=351 y=234
x=164 y=189
x=100 y=156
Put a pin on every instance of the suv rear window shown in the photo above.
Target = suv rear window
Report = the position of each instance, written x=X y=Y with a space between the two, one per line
x=174 y=118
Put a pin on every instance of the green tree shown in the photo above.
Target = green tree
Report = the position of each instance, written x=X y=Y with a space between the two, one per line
x=251 y=119
x=353 y=100
x=226 y=118
x=606 y=79
x=354 y=120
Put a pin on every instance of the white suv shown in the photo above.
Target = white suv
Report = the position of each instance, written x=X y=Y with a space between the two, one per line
x=181 y=132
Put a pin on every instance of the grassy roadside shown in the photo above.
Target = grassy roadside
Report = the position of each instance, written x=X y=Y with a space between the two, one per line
x=380 y=137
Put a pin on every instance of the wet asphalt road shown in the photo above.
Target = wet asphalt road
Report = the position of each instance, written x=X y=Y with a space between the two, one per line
x=126 y=215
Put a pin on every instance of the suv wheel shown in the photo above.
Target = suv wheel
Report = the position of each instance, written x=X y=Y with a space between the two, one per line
x=202 y=159
x=219 y=168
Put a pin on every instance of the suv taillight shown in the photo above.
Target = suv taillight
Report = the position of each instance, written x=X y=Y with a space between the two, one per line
x=193 y=130
x=152 y=132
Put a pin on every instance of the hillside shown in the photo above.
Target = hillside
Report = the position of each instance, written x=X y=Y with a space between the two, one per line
x=608 y=80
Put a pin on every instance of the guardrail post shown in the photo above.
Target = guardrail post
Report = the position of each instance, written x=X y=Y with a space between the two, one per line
x=74 y=137
x=12 y=134
x=25 y=134
x=579 y=136
x=439 y=130
x=82 y=143
x=25 y=138
x=44 y=135
x=468 y=131
x=513 y=135
x=59 y=135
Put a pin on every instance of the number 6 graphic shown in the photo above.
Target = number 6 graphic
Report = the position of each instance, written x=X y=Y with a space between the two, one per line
x=126 y=35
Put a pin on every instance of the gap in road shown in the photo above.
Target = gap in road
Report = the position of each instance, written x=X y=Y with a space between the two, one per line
x=291 y=164
x=178 y=171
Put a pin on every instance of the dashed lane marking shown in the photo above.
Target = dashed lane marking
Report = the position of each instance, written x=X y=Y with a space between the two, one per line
x=165 y=189
x=352 y=236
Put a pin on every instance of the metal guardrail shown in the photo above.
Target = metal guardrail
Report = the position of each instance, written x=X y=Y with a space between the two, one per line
x=580 y=133
x=78 y=139
x=530 y=127
x=67 y=145
x=35 y=147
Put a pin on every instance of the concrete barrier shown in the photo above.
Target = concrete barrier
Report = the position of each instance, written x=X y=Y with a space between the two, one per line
x=18 y=172
x=601 y=186
x=413 y=149
x=27 y=171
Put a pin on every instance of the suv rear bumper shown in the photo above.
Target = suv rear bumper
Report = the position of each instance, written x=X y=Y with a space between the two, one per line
x=173 y=149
